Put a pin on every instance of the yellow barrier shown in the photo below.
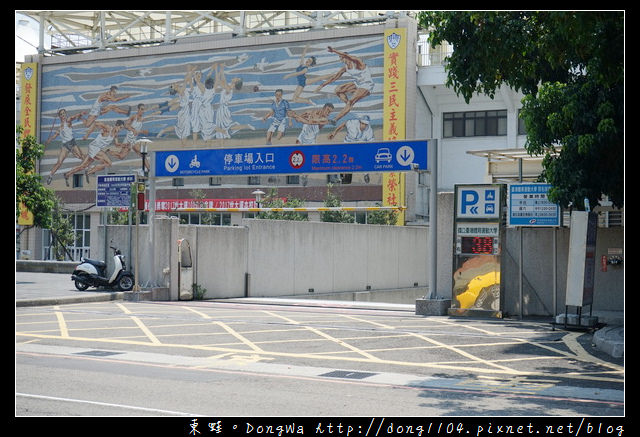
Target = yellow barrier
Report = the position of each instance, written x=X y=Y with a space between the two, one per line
x=301 y=209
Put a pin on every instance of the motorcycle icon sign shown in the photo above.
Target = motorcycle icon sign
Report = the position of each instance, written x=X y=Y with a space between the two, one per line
x=194 y=162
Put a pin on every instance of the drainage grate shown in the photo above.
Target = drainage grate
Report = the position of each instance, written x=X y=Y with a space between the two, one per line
x=97 y=353
x=348 y=374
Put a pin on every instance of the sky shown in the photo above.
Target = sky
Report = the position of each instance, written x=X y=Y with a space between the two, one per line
x=26 y=37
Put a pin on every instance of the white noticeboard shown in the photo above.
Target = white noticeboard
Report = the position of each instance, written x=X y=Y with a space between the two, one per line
x=528 y=205
x=581 y=263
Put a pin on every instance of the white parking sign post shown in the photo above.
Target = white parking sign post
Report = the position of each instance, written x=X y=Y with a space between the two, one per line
x=477 y=288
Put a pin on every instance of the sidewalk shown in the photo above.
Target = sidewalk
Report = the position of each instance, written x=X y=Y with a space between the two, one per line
x=33 y=289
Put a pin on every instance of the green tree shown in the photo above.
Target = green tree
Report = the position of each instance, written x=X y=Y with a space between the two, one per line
x=382 y=217
x=570 y=67
x=206 y=218
x=274 y=201
x=62 y=232
x=332 y=200
x=29 y=189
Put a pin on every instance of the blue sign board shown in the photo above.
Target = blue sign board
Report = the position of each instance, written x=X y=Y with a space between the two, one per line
x=114 y=190
x=387 y=156
x=477 y=201
x=529 y=206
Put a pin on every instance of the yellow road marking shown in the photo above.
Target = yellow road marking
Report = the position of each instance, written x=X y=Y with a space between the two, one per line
x=369 y=321
x=146 y=330
x=479 y=370
x=140 y=324
x=200 y=313
x=327 y=336
x=575 y=350
x=465 y=354
x=62 y=324
x=123 y=308
x=238 y=336
x=227 y=328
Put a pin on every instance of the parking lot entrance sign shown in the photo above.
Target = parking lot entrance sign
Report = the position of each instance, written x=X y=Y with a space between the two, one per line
x=385 y=156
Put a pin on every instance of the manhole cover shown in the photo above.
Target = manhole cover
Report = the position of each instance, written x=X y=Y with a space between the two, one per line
x=98 y=353
x=348 y=374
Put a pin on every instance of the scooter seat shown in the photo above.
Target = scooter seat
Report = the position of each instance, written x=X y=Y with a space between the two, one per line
x=94 y=262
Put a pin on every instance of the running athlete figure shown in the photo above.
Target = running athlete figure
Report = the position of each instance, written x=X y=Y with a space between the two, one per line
x=361 y=86
x=133 y=125
x=358 y=130
x=279 y=109
x=96 y=152
x=312 y=120
x=301 y=76
x=100 y=106
x=68 y=140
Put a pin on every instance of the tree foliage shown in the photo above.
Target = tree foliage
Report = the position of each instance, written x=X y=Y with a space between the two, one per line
x=29 y=189
x=274 y=201
x=333 y=200
x=570 y=67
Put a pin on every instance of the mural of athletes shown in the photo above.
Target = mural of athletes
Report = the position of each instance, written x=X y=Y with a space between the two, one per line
x=94 y=113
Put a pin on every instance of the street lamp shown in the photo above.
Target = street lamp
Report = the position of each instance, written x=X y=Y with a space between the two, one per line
x=140 y=207
x=258 y=193
x=144 y=143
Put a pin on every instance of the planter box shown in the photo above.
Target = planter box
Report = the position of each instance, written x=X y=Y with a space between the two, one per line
x=432 y=307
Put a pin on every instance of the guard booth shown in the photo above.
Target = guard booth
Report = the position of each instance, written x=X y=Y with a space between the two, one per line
x=477 y=261
x=185 y=270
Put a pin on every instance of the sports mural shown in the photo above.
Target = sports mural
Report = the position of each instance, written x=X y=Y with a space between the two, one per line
x=94 y=114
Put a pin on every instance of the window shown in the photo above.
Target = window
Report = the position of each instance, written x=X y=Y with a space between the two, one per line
x=522 y=130
x=77 y=181
x=204 y=218
x=81 y=224
x=254 y=180
x=293 y=180
x=474 y=124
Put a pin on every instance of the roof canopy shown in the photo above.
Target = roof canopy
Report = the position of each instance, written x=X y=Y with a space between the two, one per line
x=79 y=31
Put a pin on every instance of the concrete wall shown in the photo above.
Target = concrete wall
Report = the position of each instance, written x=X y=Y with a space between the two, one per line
x=538 y=266
x=289 y=258
x=284 y=258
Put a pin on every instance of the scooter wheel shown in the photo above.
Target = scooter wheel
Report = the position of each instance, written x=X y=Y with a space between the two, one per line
x=80 y=285
x=125 y=283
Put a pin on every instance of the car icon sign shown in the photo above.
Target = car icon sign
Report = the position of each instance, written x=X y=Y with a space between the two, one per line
x=383 y=154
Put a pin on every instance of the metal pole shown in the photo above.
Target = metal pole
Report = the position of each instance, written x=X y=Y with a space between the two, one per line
x=136 y=275
x=152 y=216
x=520 y=269
x=433 y=218
x=555 y=272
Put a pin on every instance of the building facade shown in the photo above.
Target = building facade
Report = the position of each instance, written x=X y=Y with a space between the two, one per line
x=238 y=91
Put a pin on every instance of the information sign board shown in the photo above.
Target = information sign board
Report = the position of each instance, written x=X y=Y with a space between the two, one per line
x=382 y=156
x=528 y=205
x=114 y=190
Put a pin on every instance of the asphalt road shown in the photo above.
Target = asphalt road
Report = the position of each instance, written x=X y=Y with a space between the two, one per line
x=212 y=358
x=259 y=366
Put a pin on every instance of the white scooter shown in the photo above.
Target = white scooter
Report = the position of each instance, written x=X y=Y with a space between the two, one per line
x=93 y=273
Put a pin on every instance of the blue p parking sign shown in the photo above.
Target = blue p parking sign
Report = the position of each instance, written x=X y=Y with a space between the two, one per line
x=477 y=201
